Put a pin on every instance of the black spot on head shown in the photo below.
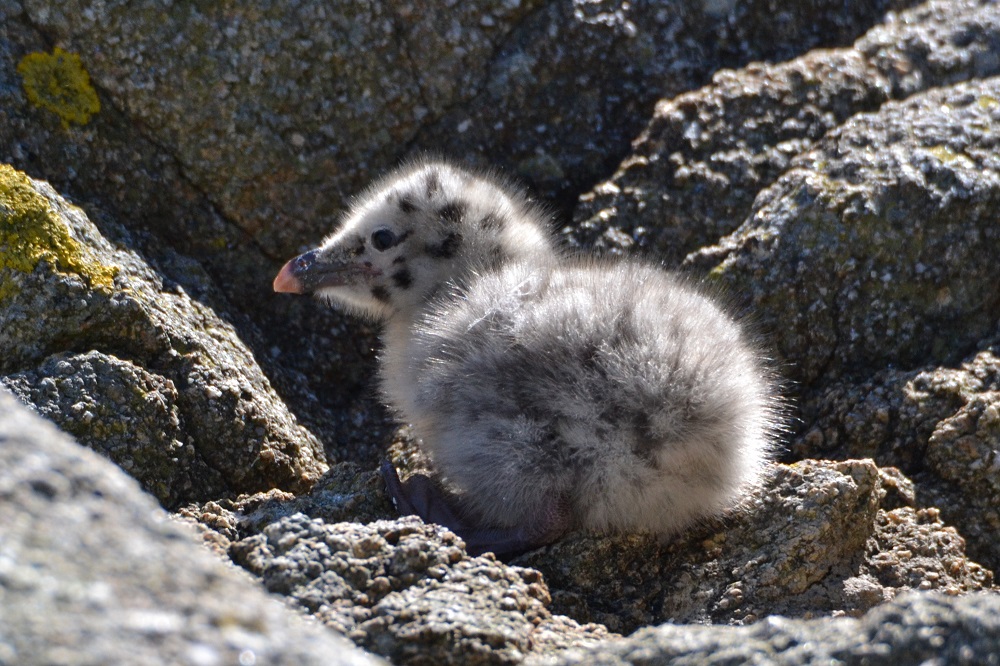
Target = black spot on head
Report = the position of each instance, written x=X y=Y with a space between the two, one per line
x=399 y=260
x=381 y=294
x=497 y=258
x=493 y=222
x=406 y=204
x=402 y=278
x=446 y=248
x=358 y=248
x=432 y=183
x=453 y=212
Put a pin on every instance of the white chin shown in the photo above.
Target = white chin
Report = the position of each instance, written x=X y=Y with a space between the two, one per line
x=349 y=300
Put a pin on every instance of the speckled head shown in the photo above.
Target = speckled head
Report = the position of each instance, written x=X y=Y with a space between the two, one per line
x=424 y=226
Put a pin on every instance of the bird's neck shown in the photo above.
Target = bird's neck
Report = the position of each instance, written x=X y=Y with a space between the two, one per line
x=399 y=324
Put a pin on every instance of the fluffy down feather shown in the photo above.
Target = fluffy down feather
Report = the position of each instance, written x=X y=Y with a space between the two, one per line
x=552 y=392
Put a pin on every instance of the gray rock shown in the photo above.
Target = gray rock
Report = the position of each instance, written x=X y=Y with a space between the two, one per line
x=226 y=134
x=964 y=452
x=118 y=172
x=694 y=172
x=93 y=572
x=916 y=628
x=269 y=109
x=572 y=85
x=407 y=591
x=874 y=248
x=815 y=541
x=205 y=411
x=234 y=134
x=914 y=549
x=347 y=492
x=279 y=112
x=936 y=43
x=939 y=423
x=128 y=414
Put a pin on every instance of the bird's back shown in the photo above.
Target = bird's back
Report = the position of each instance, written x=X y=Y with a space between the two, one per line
x=612 y=386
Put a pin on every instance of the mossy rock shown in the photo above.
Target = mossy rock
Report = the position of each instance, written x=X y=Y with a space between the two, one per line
x=31 y=231
x=71 y=298
x=59 y=83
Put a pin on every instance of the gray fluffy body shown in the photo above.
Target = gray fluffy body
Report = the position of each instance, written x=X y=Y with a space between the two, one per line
x=550 y=391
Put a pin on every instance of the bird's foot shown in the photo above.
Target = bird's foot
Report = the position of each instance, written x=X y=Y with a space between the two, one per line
x=420 y=496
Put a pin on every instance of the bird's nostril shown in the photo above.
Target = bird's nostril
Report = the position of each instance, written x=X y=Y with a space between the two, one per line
x=304 y=260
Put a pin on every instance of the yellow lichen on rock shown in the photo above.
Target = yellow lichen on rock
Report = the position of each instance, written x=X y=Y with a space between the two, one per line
x=58 y=82
x=32 y=231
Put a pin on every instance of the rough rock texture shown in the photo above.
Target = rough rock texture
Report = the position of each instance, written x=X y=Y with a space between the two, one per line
x=130 y=415
x=875 y=245
x=815 y=542
x=695 y=170
x=92 y=572
x=913 y=549
x=188 y=72
x=846 y=195
x=234 y=134
x=612 y=61
x=169 y=391
x=938 y=424
x=347 y=492
x=915 y=629
x=404 y=588
x=407 y=591
x=117 y=171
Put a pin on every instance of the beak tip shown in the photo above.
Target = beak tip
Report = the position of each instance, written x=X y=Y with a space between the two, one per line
x=286 y=282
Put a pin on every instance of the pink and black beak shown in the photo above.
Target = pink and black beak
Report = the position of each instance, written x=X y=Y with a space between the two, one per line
x=308 y=272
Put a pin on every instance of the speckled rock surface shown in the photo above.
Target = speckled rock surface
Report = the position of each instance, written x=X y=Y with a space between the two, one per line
x=695 y=170
x=234 y=135
x=875 y=247
x=118 y=172
x=914 y=549
x=407 y=591
x=183 y=404
x=573 y=84
x=280 y=165
x=130 y=415
x=815 y=542
x=270 y=111
x=915 y=629
x=93 y=572
x=347 y=492
x=939 y=424
x=229 y=137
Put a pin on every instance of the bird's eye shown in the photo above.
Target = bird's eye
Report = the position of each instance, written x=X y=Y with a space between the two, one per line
x=383 y=239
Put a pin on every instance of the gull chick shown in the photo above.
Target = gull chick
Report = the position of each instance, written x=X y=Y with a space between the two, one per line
x=551 y=392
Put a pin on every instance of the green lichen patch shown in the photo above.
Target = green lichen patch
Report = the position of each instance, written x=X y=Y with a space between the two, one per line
x=58 y=82
x=31 y=231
